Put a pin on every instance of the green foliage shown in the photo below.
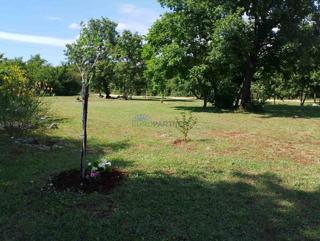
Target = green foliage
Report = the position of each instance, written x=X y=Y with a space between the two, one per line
x=177 y=48
x=69 y=80
x=225 y=94
x=63 y=79
x=96 y=168
x=20 y=102
x=129 y=64
x=97 y=37
x=185 y=124
x=93 y=44
x=104 y=76
x=233 y=40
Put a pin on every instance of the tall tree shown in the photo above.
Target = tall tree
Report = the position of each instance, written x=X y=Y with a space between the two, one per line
x=182 y=45
x=273 y=24
x=95 y=40
x=104 y=76
x=304 y=63
x=177 y=47
x=268 y=26
x=129 y=64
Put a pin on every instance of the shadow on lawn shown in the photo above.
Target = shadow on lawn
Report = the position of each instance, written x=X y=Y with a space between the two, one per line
x=108 y=147
x=290 y=111
x=257 y=207
x=287 y=111
x=60 y=149
x=164 y=100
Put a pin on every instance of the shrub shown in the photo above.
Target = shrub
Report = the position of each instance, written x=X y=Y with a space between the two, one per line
x=186 y=124
x=19 y=103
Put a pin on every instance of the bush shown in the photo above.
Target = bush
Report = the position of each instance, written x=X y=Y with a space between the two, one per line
x=18 y=101
x=225 y=95
x=186 y=124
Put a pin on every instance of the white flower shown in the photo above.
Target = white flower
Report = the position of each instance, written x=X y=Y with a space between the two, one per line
x=103 y=160
x=94 y=169
x=89 y=164
x=108 y=163
x=102 y=164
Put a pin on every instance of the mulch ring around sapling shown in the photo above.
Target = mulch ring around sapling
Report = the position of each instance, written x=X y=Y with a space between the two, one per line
x=179 y=141
x=71 y=181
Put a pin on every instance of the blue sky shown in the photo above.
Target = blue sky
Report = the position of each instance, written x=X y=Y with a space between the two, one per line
x=30 y=27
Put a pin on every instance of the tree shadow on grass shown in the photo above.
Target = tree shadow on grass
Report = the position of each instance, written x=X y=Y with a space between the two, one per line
x=286 y=111
x=64 y=154
x=165 y=100
x=159 y=206
x=108 y=147
x=210 y=109
x=290 y=111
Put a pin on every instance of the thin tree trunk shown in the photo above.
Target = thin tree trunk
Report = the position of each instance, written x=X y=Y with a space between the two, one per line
x=85 y=97
x=274 y=100
x=315 y=97
x=203 y=93
x=301 y=96
x=304 y=99
x=238 y=99
x=205 y=100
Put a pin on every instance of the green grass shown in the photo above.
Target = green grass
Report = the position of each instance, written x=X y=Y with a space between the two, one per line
x=241 y=177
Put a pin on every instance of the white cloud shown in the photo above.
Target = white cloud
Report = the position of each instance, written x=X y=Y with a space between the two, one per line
x=54 y=18
x=136 y=18
x=74 y=26
x=35 y=39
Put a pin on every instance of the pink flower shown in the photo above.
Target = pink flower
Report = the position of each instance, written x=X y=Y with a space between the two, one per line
x=94 y=174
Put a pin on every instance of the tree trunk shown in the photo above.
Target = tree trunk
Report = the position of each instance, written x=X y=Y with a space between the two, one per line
x=205 y=101
x=107 y=92
x=246 y=87
x=85 y=97
x=303 y=99
x=315 y=97
x=203 y=93
x=274 y=100
x=236 y=105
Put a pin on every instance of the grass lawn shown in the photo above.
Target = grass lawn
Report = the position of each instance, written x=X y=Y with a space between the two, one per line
x=241 y=177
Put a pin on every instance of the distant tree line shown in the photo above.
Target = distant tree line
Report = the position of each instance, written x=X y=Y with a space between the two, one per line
x=63 y=79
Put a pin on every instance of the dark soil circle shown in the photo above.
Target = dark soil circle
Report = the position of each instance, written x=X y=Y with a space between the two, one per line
x=71 y=181
x=179 y=141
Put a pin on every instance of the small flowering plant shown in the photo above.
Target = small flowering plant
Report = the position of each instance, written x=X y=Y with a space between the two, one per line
x=95 y=169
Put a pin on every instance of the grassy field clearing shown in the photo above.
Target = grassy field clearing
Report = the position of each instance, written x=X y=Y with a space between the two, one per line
x=241 y=177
